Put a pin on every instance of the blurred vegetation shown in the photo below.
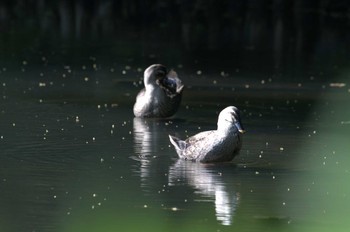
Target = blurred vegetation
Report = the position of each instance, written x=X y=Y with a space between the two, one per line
x=288 y=33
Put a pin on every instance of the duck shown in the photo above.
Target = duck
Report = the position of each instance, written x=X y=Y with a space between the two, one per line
x=220 y=145
x=161 y=95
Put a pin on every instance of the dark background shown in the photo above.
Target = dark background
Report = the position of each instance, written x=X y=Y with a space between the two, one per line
x=290 y=39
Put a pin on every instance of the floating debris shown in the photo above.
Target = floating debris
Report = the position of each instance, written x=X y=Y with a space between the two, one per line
x=223 y=74
x=337 y=85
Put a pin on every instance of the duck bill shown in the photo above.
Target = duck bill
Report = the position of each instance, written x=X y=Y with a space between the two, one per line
x=240 y=127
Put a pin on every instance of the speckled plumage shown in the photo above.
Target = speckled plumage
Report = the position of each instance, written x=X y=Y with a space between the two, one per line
x=219 y=145
x=161 y=96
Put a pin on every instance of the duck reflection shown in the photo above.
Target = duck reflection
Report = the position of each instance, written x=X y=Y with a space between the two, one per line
x=208 y=181
x=144 y=137
x=150 y=141
x=143 y=134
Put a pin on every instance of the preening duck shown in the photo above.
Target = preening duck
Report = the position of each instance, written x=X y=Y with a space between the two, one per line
x=161 y=96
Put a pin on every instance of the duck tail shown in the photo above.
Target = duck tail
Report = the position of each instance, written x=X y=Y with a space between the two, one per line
x=178 y=144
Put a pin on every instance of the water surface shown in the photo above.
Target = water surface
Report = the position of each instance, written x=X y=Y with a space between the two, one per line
x=73 y=157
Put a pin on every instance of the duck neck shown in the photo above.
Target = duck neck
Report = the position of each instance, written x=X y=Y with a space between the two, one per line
x=225 y=126
x=150 y=87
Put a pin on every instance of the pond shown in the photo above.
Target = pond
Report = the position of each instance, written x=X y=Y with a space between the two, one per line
x=74 y=158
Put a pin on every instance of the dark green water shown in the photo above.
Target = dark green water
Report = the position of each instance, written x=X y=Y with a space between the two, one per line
x=73 y=158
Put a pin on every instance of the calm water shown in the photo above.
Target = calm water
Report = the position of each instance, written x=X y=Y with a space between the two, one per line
x=73 y=157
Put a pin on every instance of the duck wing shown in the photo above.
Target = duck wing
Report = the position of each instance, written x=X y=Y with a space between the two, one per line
x=139 y=106
x=194 y=146
x=198 y=138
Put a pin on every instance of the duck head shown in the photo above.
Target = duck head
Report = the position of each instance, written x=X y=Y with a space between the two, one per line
x=228 y=116
x=157 y=75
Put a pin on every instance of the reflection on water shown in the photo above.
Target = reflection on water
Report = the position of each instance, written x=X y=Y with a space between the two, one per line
x=208 y=181
x=144 y=138
x=65 y=156
x=150 y=139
